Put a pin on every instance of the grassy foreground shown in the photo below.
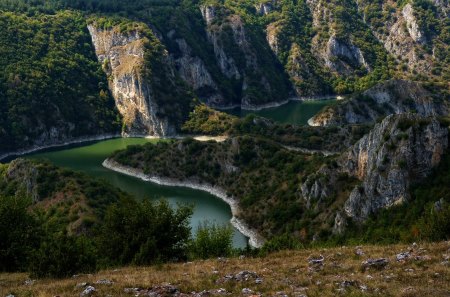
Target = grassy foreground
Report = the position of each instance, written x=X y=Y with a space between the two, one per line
x=425 y=272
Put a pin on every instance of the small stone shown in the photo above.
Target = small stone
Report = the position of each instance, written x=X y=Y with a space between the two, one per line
x=81 y=285
x=316 y=261
x=29 y=282
x=258 y=281
x=10 y=295
x=403 y=256
x=375 y=263
x=88 y=291
x=131 y=290
x=104 y=282
x=359 y=251
x=246 y=291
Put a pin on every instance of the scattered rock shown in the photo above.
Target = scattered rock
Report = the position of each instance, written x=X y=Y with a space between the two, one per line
x=104 y=282
x=258 y=281
x=10 y=295
x=375 y=263
x=88 y=291
x=316 y=261
x=359 y=251
x=347 y=283
x=81 y=285
x=29 y=282
x=245 y=275
x=403 y=256
x=246 y=291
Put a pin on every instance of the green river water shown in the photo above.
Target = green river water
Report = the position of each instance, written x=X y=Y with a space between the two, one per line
x=88 y=158
x=293 y=112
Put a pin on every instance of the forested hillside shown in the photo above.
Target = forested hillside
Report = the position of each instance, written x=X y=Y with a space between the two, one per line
x=225 y=53
x=51 y=86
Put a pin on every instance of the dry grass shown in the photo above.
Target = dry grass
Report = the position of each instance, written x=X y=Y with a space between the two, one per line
x=288 y=271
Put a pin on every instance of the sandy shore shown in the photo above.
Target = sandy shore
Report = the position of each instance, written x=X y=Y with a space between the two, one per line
x=255 y=239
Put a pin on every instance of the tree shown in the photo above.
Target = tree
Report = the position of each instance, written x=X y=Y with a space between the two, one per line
x=144 y=232
x=18 y=233
x=212 y=240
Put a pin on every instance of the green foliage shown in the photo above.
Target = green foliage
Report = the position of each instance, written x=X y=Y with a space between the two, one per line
x=258 y=171
x=144 y=232
x=281 y=242
x=205 y=120
x=50 y=80
x=211 y=241
x=60 y=255
x=18 y=233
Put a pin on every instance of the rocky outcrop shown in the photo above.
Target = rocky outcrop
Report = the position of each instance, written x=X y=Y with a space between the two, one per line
x=23 y=175
x=412 y=25
x=264 y=8
x=399 y=151
x=122 y=55
x=194 y=72
x=390 y=97
x=343 y=57
x=239 y=60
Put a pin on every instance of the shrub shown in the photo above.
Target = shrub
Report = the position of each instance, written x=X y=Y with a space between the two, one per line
x=212 y=241
x=18 y=234
x=60 y=255
x=144 y=232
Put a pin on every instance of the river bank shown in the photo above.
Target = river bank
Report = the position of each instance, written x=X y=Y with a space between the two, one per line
x=58 y=144
x=255 y=239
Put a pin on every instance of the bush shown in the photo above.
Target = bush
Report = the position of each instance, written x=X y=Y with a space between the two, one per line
x=212 y=241
x=144 y=232
x=60 y=255
x=18 y=233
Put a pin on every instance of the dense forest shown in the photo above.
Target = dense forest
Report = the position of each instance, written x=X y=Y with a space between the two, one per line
x=51 y=85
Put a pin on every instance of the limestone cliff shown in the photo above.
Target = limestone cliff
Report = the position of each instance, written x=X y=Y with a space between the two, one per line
x=399 y=151
x=250 y=67
x=195 y=73
x=123 y=57
x=390 y=97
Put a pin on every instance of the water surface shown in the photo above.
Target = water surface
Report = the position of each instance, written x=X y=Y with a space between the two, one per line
x=293 y=112
x=88 y=158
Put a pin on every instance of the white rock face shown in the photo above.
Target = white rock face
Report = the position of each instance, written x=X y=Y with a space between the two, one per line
x=412 y=25
x=122 y=56
x=193 y=71
x=338 y=49
x=264 y=8
x=400 y=150
x=208 y=13
x=390 y=97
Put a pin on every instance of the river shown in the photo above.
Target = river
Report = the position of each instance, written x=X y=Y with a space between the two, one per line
x=88 y=158
x=294 y=112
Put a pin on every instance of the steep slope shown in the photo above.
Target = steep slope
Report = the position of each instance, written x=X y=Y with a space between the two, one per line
x=51 y=89
x=65 y=199
x=414 y=32
x=147 y=92
x=400 y=151
x=391 y=97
